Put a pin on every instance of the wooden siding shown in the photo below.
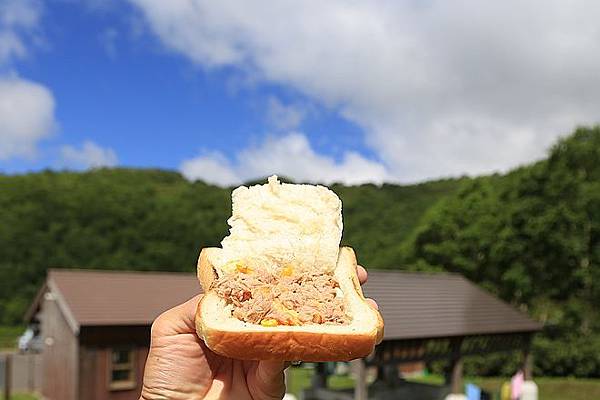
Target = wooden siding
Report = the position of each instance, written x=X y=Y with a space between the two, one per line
x=95 y=353
x=94 y=382
x=60 y=354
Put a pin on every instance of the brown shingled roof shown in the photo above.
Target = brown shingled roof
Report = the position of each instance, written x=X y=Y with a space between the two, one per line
x=119 y=298
x=414 y=305
x=419 y=305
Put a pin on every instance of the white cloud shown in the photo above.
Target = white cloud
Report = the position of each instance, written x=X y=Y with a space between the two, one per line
x=284 y=117
x=18 y=18
x=10 y=46
x=26 y=117
x=290 y=155
x=108 y=40
x=89 y=155
x=26 y=107
x=440 y=88
x=212 y=168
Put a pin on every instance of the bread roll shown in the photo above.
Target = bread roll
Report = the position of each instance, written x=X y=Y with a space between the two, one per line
x=282 y=231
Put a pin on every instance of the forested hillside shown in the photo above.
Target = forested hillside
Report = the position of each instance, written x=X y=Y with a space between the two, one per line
x=531 y=236
x=157 y=220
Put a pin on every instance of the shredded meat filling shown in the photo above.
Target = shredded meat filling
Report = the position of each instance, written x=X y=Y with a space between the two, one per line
x=262 y=298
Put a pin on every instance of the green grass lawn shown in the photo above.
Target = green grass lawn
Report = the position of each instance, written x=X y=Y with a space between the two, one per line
x=20 y=396
x=300 y=379
x=553 y=388
x=549 y=388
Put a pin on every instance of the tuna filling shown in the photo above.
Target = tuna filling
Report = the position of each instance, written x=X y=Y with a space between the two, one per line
x=269 y=300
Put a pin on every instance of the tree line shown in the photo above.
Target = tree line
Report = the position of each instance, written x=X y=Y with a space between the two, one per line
x=530 y=236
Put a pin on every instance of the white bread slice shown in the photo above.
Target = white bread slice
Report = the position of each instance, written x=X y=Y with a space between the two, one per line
x=279 y=224
x=275 y=226
x=233 y=338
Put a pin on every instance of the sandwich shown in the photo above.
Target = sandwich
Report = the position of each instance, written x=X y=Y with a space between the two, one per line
x=280 y=287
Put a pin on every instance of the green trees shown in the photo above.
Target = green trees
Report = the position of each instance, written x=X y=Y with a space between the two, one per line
x=531 y=236
x=150 y=219
x=117 y=219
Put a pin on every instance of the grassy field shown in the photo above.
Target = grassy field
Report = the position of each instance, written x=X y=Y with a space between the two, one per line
x=550 y=388
x=300 y=379
x=20 y=396
x=553 y=388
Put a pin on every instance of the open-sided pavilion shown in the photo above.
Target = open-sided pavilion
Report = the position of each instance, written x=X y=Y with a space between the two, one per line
x=432 y=317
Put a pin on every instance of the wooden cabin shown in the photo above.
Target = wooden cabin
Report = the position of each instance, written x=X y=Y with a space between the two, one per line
x=96 y=330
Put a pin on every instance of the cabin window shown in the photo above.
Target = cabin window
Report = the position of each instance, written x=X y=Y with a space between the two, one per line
x=122 y=369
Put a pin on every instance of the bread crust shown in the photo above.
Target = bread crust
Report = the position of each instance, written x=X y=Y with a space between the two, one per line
x=284 y=344
x=206 y=272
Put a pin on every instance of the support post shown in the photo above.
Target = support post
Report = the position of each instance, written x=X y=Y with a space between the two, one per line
x=7 y=375
x=380 y=373
x=360 y=379
x=527 y=361
x=454 y=375
x=319 y=379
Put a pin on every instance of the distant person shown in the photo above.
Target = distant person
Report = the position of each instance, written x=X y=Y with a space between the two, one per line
x=181 y=367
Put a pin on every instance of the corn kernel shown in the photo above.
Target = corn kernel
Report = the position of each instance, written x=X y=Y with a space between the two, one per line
x=292 y=316
x=230 y=267
x=265 y=290
x=269 y=322
x=244 y=269
x=288 y=270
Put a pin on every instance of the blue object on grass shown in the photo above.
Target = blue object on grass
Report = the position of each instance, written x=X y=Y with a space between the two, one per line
x=473 y=392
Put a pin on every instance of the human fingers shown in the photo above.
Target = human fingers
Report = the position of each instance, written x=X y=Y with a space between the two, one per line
x=373 y=303
x=269 y=382
x=362 y=277
x=179 y=319
x=362 y=274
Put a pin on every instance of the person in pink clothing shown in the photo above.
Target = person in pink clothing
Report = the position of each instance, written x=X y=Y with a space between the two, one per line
x=516 y=385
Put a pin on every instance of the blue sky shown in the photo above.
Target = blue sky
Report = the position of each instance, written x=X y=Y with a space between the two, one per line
x=116 y=85
x=356 y=93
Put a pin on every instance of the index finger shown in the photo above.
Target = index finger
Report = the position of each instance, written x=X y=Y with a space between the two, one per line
x=177 y=320
x=362 y=274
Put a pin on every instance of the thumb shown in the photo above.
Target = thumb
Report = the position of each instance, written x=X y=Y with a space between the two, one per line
x=269 y=380
x=177 y=320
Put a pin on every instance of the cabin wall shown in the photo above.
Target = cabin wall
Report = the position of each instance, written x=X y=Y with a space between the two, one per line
x=94 y=359
x=95 y=370
x=60 y=353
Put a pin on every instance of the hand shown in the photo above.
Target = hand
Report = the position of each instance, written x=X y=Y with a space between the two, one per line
x=180 y=366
